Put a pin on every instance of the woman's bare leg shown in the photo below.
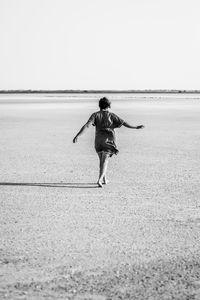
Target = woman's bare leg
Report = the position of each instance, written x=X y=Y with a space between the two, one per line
x=100 y=167
x=105 y=180
x=103 y=167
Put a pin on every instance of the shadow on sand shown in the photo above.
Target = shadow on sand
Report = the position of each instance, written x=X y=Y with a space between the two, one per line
x=61 y=185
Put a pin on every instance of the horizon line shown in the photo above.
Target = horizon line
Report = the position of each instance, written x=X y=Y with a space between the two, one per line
x=114 y=91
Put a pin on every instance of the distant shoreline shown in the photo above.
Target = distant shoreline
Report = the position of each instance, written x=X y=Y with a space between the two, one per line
x=99 y=91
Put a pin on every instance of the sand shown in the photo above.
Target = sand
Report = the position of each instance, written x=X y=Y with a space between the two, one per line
x=62 y=237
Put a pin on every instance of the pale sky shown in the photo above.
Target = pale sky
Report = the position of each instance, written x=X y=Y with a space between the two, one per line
x=99 y=44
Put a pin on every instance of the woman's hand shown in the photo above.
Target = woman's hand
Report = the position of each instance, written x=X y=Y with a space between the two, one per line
x=140 y=127
x=75 y=139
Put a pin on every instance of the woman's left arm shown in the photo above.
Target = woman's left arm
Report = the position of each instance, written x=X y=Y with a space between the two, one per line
x=133 y=127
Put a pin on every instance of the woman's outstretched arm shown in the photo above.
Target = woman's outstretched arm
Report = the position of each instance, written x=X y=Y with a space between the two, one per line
x=133 y=127
x=81 y=131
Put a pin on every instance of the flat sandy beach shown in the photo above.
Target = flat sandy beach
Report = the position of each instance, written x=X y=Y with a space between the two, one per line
x=62 y=237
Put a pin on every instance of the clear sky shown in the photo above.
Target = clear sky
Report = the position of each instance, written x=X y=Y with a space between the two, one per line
x=99 y=44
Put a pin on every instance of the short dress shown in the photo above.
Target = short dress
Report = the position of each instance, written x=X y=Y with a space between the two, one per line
x=105 y=123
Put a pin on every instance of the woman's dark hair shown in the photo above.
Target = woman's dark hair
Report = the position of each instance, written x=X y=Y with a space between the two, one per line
x=104 y=103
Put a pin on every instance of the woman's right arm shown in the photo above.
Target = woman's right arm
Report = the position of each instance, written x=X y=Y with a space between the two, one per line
x=133 y=127
x=82 y=130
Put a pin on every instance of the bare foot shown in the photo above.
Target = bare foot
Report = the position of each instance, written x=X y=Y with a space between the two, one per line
x=99 y=184
x=105 y=181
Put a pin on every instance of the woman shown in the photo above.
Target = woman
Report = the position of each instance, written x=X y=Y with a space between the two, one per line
x=105 y=123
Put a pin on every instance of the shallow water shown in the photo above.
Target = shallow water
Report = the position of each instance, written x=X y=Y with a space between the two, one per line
x=72 y=101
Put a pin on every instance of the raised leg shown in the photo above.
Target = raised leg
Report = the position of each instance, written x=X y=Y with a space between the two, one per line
x=105 y=180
